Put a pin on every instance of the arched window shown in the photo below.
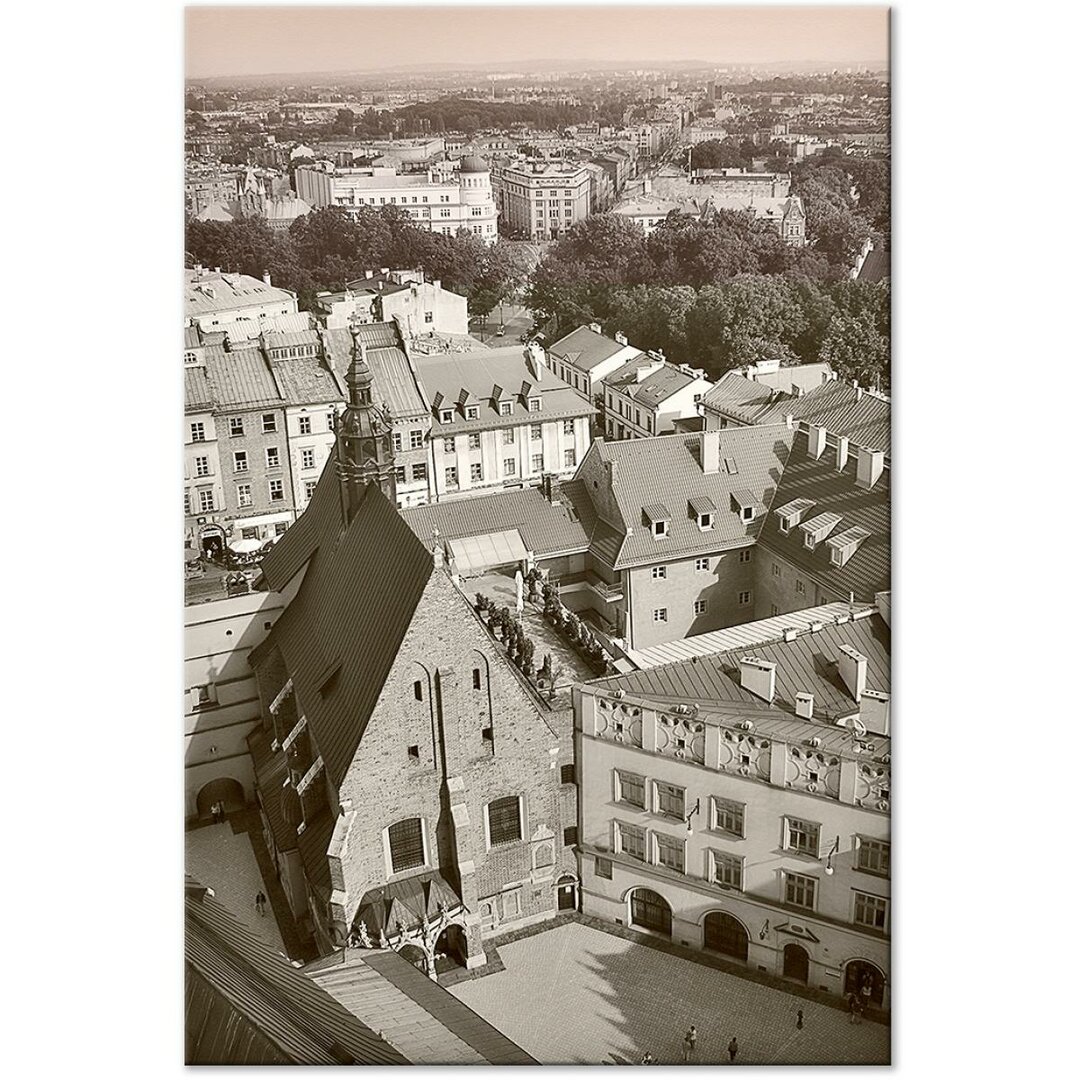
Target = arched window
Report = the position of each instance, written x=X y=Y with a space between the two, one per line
x=406 y=842
x=650 y=911
x=504 y=820
x=725 y=934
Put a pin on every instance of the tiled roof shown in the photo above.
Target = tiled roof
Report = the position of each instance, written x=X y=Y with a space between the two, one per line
x=417 y=1016
x=307 y=381
x=864 y=418
x=875 y=266
x=666 y=470
x=591 y=348
x=247 y=1005
x=806 y=664
x=656 y=388
x=546 y=530
x=223 y=292
x=478 y=373
x=867 y=571
x=342 y=618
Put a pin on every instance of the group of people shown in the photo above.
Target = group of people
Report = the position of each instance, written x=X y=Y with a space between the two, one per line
x=690 y=1048
x=860 y=1002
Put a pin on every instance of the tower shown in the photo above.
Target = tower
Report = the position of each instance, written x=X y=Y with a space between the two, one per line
x=365 y=452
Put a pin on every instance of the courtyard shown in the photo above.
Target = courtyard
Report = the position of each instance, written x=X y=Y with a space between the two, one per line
x=576 y=995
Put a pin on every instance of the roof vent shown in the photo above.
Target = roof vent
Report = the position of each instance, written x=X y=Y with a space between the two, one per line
x=790 y=633
x=758 y=677
x=875 y=712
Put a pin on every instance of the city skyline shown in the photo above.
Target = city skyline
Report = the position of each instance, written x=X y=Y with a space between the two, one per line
x=272 y=41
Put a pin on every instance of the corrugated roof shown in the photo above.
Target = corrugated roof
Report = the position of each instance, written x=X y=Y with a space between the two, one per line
x=660 y=385
x=867 y=572
x=247 y=1005
x=240 y=378
x=807 y=664
x=546 y=529
x=356 y=601
x=741 y=636
x=393 y=378
x=198 y=394
x=666 y=470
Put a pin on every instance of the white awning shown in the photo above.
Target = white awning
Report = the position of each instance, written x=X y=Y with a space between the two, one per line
x=473 y=555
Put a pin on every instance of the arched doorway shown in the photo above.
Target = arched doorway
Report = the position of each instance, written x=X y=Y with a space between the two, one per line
x=650 y=911
x=856 y=976
x=451 y=949
x=225 y=790
x=415 y=955
x=212 y=541
x=725 y=934
x=796 y=963
x=567 y=893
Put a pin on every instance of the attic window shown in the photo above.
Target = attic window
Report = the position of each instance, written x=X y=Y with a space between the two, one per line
x=446 y=416
x=659 y=528
x=844 y=545
x=534 y=404
x=748 y=513
x=506 y=408
x=472 y=412
x=704 y=520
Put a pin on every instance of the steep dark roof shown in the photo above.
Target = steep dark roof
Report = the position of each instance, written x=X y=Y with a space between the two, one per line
x=867 y=571
x=247 y=1005
x=358 y=596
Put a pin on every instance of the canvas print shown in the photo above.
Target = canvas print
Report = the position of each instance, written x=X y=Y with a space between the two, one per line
x=537 y=535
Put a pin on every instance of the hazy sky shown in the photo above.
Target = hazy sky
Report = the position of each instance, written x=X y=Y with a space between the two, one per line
x=263 y=40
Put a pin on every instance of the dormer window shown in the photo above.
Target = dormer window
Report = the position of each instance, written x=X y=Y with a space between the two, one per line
x=472 y=412
x=658 y=518
x=844 y=545
x=446 y=416
x=704 y=521
x=534 y=404
x=506 y=408
x=817 y=528
x=703 y=510
x=746 y=504
x=748 y=513
x=659 y=528
x=790 y=514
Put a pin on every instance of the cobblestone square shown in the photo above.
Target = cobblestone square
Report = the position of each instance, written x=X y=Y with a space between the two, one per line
x=223 y=860
x=575 y=995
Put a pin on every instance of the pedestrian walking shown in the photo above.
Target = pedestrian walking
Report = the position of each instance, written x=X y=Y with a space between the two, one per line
x=853 y=1008
x=732 y=1049
x=689 y=1044
x=798 y=1023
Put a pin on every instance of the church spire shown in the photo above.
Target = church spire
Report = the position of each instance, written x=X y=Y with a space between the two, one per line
x=365 y=452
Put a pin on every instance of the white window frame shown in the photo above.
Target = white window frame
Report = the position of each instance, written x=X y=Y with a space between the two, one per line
x=746 y=555
x=307 y=457
x=655 y=837
x=718 y=858
x=659 y=529
x=237 y=466
x=388 y=862
x=705 y=521
x=883 y=900
x=701 y=566
x=243 y=495
x=618 y=828
x=276 y=463
x=303 y=424
x=236 y=427
x=270 y=489
x=273 y=423
x=521 y=824
x=716 y=804
x=617 y=780
x=866 y=843
x=416 y=439
x=202 y=466
x=789 y=846
x=659 y=573
x=198 y=431
x=535 y=404
x=446 y=416
x=206 y=501
x=701 y=607
x=654 y=799
x=785 y=875
x=659 y=615
x=472 y=412
x=506 y=408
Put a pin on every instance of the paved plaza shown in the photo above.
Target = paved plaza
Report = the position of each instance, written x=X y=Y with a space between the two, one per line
x=576 y=995
x=223 y=860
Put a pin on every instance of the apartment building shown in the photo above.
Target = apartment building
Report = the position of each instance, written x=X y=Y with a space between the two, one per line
x=738 y=803
x=405 y=773
x=500 y=418
x=215 y=301
x=742 y=182
x=420 y=307
x=586 y=356
x=447 y=205
x=260 y=417
x=542 y=200
x=647 y=395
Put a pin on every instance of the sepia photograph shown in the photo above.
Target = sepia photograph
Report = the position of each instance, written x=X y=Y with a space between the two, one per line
x=537 y=570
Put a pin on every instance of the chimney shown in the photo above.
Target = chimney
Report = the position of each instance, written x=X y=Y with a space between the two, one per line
x=804 y=705
x=789 y=420
x=369 y=273
x=798 y=391
x=266 y=278
x=613 y=474
x=816 y=443
x=620 y=337
x=594 y=327
x=841 y=453
x=871 y=464
x=875 y=712
x=758 y=677
x=710 y=451
x=852 y=666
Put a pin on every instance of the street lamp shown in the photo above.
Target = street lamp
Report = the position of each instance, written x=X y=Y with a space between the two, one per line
x=696 y=810
x=834 y=850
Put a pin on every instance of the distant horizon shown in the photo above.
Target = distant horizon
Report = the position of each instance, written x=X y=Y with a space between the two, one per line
x=314 y=42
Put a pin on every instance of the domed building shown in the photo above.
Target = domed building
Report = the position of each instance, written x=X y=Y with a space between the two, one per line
x=474 y=177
